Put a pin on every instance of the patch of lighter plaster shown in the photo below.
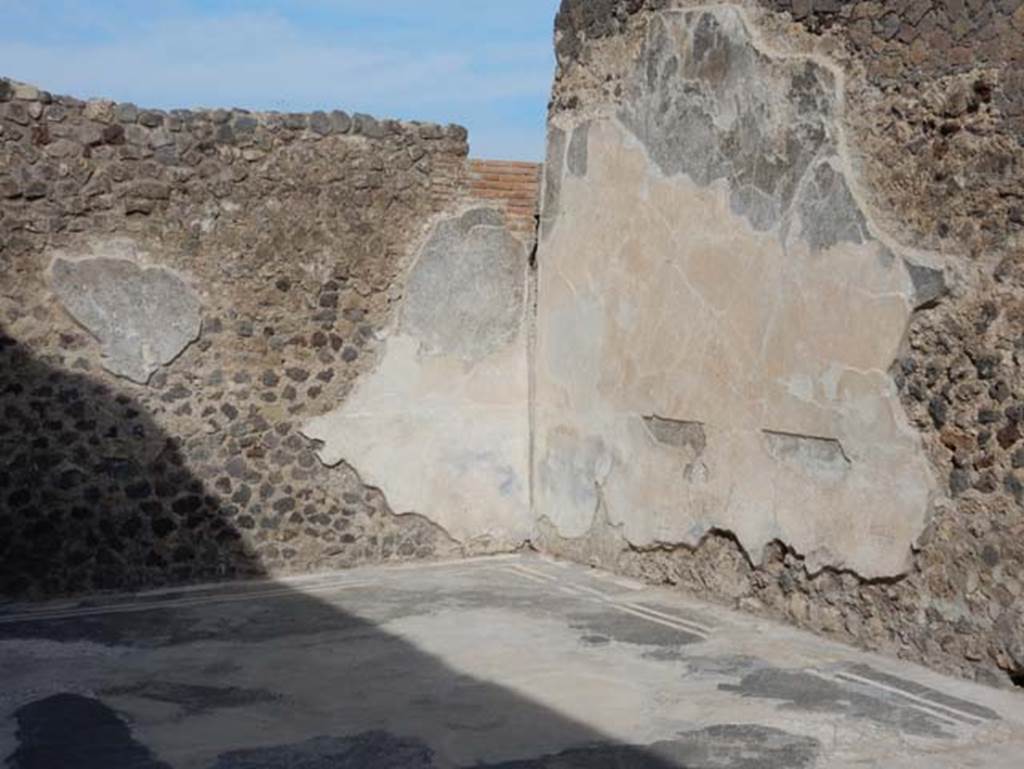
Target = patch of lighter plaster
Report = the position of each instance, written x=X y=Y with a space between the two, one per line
x=715 y=263
x=144 y=317
x=442 y=425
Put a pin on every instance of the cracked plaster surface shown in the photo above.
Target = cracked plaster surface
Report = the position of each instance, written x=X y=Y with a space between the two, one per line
x=708 y=263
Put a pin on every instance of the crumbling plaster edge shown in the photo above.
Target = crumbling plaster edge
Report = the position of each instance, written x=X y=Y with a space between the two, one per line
x=955 y=275
x=407 y=265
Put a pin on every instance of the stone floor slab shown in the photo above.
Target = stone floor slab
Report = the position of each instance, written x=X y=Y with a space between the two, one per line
x=516 y=662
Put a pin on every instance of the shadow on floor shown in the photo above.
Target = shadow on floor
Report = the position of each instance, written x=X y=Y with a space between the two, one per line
x=95 y=496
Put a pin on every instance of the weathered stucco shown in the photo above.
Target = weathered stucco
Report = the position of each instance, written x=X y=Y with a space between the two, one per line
x=927 y=97
x=442 y=425
x=143 y=316
x=717 y=319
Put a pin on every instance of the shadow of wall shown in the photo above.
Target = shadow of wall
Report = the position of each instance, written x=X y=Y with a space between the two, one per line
x=94 y=495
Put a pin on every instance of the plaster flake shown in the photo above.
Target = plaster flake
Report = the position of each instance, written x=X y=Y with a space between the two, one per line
x=144 y=317
x=747 y=296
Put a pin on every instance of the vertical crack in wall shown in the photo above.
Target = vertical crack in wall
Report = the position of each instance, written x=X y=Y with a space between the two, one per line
x=531 y=363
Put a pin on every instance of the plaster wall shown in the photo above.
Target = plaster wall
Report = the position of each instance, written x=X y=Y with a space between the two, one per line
x=716 y=318
x=442 y=423
x=238 y=344
x=805 y=413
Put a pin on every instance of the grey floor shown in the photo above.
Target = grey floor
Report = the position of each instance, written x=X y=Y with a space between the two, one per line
x=515 y=662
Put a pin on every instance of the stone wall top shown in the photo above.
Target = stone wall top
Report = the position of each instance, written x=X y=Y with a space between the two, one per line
x=230 y=126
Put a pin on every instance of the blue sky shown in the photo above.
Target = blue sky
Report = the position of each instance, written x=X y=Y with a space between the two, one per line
x=486 y=64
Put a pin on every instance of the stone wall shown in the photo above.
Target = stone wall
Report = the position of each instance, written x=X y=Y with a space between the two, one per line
x=775 y=353
x=181 y=293
x=814 y=410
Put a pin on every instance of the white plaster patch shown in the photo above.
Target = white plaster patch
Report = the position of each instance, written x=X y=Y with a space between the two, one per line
x=442 y=426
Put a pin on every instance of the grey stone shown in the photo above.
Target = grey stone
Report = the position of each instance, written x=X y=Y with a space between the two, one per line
x=340 y=122
x=55 y=113
x=456 y=133
x=319 y=123
x=28 y=92
x=245 y=124
x=466 y=293
x=431 y=131
x=224 y=134
x=16 y=113
x=1018 y=459
x=929 y=284
x=161 y=137
x=888 y=25
x=136 y=134
x=179 y=119
x=126 y=113
x=35 y=189
x=368 y=126
x=151 y=119
x=143 y=317
x=150 y=189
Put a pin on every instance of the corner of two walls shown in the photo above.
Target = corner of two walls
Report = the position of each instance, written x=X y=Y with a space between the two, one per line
x=237 y=344
x=776 y=401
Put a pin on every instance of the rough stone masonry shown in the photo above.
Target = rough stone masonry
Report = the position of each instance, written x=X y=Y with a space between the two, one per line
x=182 y=292
x=770 y=351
